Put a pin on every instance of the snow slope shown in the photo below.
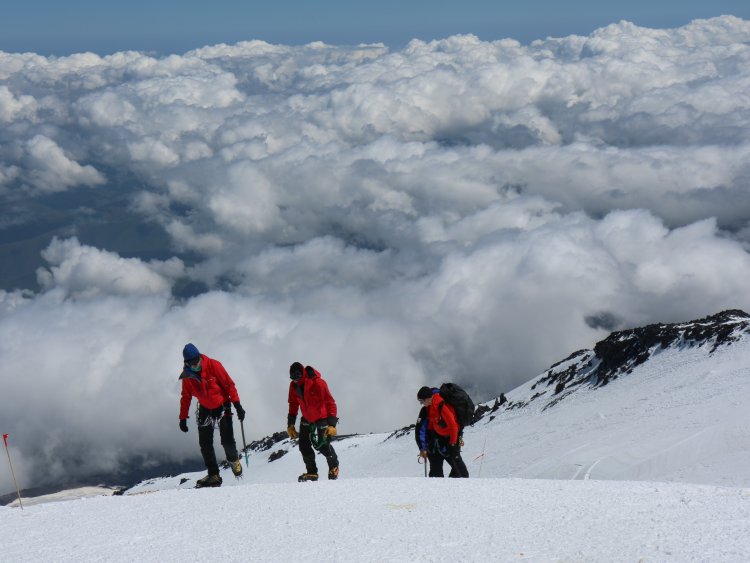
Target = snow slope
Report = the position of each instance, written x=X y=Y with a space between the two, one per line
x=685 y=420
x=396 y=519
x=67 y=494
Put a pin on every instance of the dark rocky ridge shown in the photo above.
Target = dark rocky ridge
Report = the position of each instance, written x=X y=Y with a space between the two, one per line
x=622 y=351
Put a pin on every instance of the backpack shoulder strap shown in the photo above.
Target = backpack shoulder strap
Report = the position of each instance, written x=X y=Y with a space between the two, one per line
x=441 y=420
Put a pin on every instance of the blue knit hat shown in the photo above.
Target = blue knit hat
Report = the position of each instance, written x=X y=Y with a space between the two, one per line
x=190 y=352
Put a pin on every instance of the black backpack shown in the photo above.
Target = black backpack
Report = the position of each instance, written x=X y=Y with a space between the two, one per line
x=459 y=399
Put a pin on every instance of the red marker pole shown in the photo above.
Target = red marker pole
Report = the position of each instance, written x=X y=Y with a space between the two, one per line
x=7 y=451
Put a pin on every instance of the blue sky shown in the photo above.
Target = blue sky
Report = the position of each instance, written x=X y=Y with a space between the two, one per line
x=58 y=27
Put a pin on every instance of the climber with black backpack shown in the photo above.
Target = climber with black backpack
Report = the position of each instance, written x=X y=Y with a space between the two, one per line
x=427 y=443
x=443 y=420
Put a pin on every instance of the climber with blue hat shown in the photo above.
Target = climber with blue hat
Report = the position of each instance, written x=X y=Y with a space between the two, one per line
x=206 y=379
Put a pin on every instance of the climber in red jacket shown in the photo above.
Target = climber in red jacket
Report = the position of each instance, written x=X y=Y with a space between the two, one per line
x=206 y=379
x=441 y=419
x=309 y=393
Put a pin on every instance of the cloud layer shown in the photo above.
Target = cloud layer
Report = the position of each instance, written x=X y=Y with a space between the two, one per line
x=457 y=210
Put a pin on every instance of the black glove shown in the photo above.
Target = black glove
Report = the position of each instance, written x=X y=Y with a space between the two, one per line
x=240 y=411
x=183 y=424
x=454 y=450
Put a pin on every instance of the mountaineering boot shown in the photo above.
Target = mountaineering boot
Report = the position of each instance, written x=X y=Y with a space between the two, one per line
x=208 y=481
x=236 y=467
x=333 y=474
x=308 y=477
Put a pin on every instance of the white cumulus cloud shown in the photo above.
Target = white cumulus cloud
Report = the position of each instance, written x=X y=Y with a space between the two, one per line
x=51 y=170
x=85 y=272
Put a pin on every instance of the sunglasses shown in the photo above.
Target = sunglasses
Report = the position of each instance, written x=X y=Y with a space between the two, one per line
x=193 y=362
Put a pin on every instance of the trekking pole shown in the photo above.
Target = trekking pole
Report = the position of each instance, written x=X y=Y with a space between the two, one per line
x=480 y=457
x=244 y=445
x=422 y=461
x=7 y=451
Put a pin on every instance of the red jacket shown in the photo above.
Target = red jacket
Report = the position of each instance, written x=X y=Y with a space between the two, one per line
x=442 y=419
x=213 y=390
x=311 y=395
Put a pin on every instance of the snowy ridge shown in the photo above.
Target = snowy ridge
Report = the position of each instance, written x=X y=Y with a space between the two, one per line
x=664 y=402
x=622 y=351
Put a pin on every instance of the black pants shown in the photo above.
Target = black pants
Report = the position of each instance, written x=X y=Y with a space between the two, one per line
x=436 y=464
x=455 y=461
x=458 y=467
x=307 y=451
x=206 y=421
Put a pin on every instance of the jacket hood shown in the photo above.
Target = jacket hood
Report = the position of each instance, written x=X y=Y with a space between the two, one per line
x=311 y=373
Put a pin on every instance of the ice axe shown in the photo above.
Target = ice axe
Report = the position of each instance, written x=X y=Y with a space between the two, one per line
x=244 y=444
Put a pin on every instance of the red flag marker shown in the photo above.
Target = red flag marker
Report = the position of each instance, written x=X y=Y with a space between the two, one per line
x=7 y=451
